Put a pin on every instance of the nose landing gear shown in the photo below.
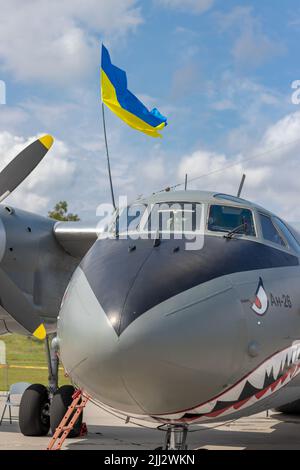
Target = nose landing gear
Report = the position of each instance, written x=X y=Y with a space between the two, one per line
x=53 y=364
x=43 y=408
x=176 y=436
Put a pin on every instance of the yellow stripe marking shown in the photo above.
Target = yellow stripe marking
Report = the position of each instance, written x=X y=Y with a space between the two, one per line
x=3 y=366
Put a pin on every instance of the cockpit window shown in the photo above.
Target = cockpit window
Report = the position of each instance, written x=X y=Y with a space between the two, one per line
x=169 y=218
x=269 y=230
x=293 y=244
x=173 y=217
x=127 y=219
x=227 y=219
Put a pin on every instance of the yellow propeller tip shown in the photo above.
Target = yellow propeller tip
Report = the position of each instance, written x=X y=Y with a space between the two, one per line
x=47 y=141
x=40 y=332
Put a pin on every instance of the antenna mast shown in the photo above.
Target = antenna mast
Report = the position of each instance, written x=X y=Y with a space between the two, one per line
x=241 y=186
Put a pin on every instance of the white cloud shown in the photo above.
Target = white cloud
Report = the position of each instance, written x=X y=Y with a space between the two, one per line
x=223 y=105
x=53 y=41
x=50 y=177
x=252 y=47
x=186 y=79
x=153 y=170
x=12 y=117
x=252 y=104
x=193 y=6
x=272 y=170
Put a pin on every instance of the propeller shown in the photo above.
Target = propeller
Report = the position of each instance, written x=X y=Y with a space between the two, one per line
x=23 y=164
x=12 y=298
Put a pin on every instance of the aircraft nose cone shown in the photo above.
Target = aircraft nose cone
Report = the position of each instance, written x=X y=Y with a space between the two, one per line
x=184 y=352
x=89 y=348
x=145 y=331
x=112 y=268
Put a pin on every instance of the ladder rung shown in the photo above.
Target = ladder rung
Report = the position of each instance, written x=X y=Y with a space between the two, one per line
x=63 y=430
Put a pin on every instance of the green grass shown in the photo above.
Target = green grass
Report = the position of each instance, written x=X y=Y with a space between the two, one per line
x=23 y=351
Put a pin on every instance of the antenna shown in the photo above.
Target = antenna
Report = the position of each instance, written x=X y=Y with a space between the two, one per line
x=241 y=186
x=186 y=182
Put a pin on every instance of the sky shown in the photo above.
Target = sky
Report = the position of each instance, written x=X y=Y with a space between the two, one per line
x=220 y=70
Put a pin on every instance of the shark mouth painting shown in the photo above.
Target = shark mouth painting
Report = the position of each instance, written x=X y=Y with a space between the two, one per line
x=261 y=303
x=268 y=378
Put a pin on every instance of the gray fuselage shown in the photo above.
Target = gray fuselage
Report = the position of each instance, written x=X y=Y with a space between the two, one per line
x=182 y=335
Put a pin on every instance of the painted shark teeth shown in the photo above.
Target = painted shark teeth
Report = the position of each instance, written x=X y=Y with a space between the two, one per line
x=268 y=378
x=257 y=380
x=207 y=408
x=290 y=354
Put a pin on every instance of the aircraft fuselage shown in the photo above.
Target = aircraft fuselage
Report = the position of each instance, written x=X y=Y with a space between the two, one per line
x=180 y=336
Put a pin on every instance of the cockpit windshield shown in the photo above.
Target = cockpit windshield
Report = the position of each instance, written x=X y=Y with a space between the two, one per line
x=170 y=217
x=173 y=217
x=228 y=219
x=128 y=219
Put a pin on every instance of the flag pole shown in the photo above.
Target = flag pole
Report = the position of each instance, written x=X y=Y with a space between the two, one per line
x=108 y=161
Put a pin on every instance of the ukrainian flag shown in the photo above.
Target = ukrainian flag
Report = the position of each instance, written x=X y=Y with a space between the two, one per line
x=123 y=103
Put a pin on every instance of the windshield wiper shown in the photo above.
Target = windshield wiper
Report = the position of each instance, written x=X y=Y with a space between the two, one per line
x=157 y=240
x=240 y=229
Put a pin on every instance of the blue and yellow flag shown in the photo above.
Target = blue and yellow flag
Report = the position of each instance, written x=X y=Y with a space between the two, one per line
x=123 y=103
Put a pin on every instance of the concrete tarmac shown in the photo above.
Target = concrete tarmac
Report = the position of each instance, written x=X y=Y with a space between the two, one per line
x=109 y=433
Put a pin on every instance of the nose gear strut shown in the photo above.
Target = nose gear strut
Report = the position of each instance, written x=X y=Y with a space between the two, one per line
x=53 y=365
x=176 y=436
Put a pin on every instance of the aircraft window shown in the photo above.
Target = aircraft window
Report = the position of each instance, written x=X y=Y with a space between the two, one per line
x=269 y=230
x=227 y=218
x=174 y=217
x=127 y=219
x=288 y=235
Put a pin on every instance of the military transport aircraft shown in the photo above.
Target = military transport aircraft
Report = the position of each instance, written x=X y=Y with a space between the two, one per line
x=152 y=325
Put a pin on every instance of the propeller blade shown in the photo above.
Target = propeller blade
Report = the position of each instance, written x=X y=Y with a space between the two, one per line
x=23 y=164
x=16 y=304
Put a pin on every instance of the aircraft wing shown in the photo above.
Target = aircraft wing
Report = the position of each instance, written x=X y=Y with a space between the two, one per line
x=76 y=238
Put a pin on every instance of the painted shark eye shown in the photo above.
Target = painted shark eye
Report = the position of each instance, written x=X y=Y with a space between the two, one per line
x=258 y=303
x=261 y=303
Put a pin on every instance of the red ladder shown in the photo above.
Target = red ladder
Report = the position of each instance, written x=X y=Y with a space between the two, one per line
x=66 y=425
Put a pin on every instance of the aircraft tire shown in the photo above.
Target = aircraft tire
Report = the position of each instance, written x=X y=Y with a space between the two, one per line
x=61 y=400
x=34 y=411
x=290 y=409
